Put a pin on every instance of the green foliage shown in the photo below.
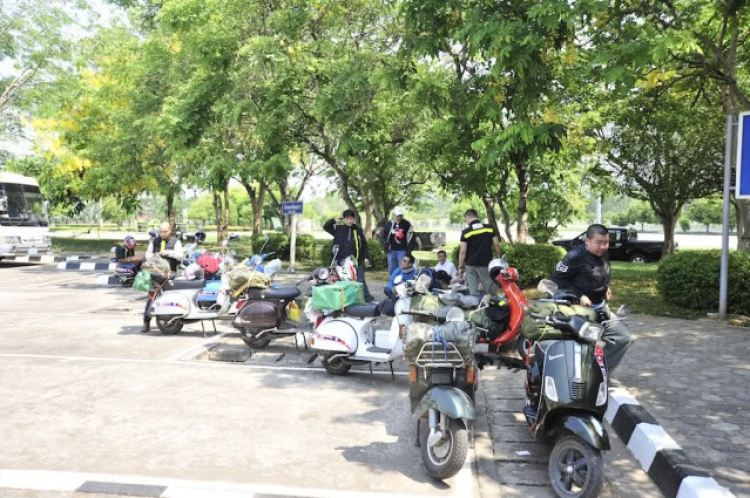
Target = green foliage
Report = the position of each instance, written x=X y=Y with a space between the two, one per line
x=458 y=209
x=707 y=212
x=533 y=261
x=375 y=250
x=691 y=279
x=280 y=244
x=542 y=232
x=685 y=224
x=112 y=210
x=306 y=247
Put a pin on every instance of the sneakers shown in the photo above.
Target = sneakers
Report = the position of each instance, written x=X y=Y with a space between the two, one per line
x=146 y=327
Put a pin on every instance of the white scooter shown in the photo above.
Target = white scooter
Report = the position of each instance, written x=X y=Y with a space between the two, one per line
x=348 y=338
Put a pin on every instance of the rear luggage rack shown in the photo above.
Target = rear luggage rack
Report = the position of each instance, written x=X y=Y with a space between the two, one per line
x=435 y=355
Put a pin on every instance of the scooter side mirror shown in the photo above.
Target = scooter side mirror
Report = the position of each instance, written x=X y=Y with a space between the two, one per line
x=547 y=287
x=624 y=312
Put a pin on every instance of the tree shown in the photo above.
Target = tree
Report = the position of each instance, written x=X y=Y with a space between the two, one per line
x=664 y=150
x=642 y=212
x=112 y=210
x=707 y=211
x=702 y=43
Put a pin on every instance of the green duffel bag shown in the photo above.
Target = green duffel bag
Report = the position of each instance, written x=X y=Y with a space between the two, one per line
x=142 y=281
x=536 y=330
x=338 y=295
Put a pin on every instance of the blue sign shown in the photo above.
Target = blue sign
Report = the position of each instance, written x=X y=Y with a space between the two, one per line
x=291 y=207
x=743 y=157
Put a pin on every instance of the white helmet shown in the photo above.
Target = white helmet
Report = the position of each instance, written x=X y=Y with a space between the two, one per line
x=347 y=272
x=193 y=272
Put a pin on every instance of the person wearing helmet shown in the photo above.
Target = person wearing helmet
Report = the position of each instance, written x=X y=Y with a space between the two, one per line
x=351 y=242
x=585 y=271
x=397 y=238
x=475 y=253
x=126 y=253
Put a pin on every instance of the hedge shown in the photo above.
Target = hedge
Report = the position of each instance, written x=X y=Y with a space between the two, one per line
x=374 y=249
x=533 y=261
x=691 y=279
x=280 y=244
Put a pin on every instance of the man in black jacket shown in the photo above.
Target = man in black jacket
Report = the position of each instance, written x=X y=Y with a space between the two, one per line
x=585 y=271
x=351 y=241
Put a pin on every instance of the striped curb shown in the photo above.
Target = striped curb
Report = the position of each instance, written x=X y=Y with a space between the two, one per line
x=124 y=485
x=107 y=280
x=46 y=258
x=671 y=469
x=88 y=266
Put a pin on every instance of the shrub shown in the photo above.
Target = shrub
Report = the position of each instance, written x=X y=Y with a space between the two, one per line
x=306 y=245
x=691 y=279
x=533 y=261
x=280 y=244
x=685 y=224
x=374 y=249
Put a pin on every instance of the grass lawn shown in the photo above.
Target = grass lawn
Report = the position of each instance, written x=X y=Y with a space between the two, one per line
x=84 y=246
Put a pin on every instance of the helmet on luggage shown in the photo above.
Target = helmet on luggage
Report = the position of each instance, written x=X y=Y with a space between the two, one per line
x=497 y=266
x=346 y=271
x=129 y=242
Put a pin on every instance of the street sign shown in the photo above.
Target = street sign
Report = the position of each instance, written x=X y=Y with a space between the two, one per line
x=743 y=157
x=291 y=207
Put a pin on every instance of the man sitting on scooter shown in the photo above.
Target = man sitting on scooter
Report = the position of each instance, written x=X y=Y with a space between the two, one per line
x=126 y=254
x=585 y=271
x=405 y=271
x=169 y=248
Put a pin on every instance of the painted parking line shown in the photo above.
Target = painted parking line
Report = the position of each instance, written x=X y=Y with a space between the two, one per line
x=131 y=485
x=193 y=351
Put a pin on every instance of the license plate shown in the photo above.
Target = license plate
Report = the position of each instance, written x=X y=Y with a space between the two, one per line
x=33 y=251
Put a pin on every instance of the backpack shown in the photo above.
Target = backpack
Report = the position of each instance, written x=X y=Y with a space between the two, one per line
x=209 y=262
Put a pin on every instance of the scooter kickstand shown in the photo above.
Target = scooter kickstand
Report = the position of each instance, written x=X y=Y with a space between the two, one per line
x=371 y=368
x=393 y=375
x=214 y=324
x=416 y=440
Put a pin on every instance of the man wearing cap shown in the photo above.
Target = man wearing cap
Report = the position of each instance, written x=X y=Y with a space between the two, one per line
x=475 y=253
x=397 y=237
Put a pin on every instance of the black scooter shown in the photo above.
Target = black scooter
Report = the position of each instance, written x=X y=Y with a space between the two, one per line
x=567 y=384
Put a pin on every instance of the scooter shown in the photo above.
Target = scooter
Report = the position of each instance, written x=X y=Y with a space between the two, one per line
x=567 y=391
x=442 y=378
x=199 y=237
x=346 y=338
x=179 y=301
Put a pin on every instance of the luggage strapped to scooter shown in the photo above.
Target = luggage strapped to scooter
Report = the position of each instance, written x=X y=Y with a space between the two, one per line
x=338 y=295
x=537 y=330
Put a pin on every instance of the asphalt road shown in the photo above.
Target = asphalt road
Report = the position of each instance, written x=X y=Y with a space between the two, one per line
x=86 y=397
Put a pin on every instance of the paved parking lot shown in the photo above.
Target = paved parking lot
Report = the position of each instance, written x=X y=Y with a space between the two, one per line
x=92 y=399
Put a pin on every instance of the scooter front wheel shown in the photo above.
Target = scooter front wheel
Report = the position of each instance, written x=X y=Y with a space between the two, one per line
x=446 y=457
x=336 y=366
x=576 y=469
x=251 y=338
x=167 y=328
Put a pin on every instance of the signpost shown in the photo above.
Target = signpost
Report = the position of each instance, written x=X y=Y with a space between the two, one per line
x=293 y=209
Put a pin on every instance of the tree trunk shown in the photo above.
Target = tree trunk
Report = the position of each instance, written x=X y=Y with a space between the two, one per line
x=257 y=197
x=170 y=212
x=489 y=205
x=668 y=221
x=227 y=218
x=369 y=213
x=218 y=215
x=522 y=228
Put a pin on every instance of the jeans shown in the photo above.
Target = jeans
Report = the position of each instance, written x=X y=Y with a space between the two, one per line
x=476 y=274
x=361 y=278
x=146 y=314
x=618 y=338
x=394 y=260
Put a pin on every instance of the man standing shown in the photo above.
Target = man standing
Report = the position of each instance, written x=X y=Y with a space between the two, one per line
x=585 y=271
x=351 y=241
x=475 y=253
x=168 y=247
x=397 y=238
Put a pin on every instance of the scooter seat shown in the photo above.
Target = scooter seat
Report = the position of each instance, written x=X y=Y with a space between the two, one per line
x=274 y=294
x=184 y=284
x=362 y=310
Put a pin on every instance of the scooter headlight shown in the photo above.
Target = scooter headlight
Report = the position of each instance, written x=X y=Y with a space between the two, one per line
x=323 y=274
x=590 y=332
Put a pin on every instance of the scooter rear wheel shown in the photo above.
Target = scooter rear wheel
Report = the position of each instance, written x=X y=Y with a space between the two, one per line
x=444 y=460
x=336 y=366
x=251 y=339
x=167 y=328
x=575 y=469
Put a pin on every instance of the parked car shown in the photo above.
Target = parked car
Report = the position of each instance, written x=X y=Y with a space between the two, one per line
x=431 y=240
x=623 y=246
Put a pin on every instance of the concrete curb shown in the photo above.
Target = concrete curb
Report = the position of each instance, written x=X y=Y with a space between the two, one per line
x=43 y=258
x=88 y=266
x=673 y=472
x=484 y=456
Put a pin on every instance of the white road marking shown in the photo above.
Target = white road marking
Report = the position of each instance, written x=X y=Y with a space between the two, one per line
x=193 y=350
x=208 y=364
x=176 y=488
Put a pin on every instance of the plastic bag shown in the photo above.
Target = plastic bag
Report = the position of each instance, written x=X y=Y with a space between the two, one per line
x=462 y=334
x=142 y=281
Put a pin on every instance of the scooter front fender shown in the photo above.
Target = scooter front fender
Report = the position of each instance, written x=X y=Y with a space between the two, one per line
x=587 y=428
x=449 y=400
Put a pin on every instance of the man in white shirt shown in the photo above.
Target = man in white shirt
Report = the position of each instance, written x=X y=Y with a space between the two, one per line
x=445 y=265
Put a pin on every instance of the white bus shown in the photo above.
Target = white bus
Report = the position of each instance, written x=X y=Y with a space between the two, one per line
x=24 y=227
